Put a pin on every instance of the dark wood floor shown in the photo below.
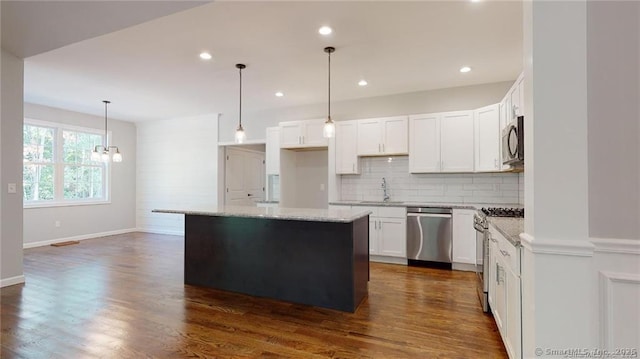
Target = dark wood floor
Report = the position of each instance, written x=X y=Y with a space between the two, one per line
x=123 y=297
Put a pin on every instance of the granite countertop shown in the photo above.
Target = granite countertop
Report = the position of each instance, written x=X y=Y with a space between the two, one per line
x=426 y=204
x=295 y=214
x=510 y=228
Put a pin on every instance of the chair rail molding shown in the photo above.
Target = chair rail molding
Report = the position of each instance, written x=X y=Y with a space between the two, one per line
x=560 y=247
x=616 y=245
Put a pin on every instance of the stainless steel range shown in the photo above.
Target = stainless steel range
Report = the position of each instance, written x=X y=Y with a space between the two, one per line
x=481 y=226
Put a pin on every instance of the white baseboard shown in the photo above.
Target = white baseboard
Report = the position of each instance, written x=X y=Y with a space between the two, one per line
x=78 y=238
x=19 y=279
x=463 y=267
x=161 y=231
x=386 y=259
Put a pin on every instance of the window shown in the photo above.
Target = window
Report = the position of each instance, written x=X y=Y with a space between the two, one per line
x=58 y=169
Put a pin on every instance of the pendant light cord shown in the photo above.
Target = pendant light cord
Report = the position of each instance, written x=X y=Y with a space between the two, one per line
x=240 y=109
x=105 y=124
x=329 y=90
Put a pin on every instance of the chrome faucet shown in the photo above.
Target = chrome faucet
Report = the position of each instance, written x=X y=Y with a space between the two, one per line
x=384 y=190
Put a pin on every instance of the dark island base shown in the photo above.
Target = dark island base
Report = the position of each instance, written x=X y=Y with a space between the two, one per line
x=324 y=264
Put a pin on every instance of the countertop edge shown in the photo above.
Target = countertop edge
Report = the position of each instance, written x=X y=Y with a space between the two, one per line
x=473 y=206
x=511 y=237
x=289 y=217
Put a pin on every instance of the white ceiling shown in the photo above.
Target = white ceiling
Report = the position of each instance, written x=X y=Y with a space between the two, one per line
x=152 y=70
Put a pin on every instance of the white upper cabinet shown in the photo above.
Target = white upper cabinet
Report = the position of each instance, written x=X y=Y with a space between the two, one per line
x=456 y=141
x=301 y=134
x=290 y=134
x=273 y=151
x=313 y=135
x=383 y=136
x=369 y=136
x=515 y=99
x=441 y=142
x=395 y=131
x=487 y=139
x=347 y=147
x=424 y=143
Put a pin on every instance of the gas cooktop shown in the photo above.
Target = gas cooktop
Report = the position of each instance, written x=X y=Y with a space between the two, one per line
x=503 y=212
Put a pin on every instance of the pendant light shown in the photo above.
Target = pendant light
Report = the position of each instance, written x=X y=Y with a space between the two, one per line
x=240 y=135
x=329 y=129
x=103 y=152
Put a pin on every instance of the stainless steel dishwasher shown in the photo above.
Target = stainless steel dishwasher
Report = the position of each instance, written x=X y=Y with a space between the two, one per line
x=429 y=237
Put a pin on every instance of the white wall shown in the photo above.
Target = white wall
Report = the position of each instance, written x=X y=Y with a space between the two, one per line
x=458 y=98
x=581 y=291
x=312 y=175
x=11 y=269
x=489 y=188
x=613 y=77
x=177 y=168
x=118 y=216
x=614 y=119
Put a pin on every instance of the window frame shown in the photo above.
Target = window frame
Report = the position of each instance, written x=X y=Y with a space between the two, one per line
x=59 y=165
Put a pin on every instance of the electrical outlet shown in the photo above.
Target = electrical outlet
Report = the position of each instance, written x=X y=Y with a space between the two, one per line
x=11 y=188
x=57 y=223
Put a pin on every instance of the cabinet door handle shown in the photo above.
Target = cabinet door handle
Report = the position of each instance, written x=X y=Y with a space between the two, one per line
x=383 y=148
x=353 y=167
x=302 y=139
x=499 y=275
x=505 y=253
x=378 y=148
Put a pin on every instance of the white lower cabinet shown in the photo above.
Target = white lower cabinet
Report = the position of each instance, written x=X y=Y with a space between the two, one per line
x=464 y=236
x=504 y=292
x=391 y=240
x=387 y=229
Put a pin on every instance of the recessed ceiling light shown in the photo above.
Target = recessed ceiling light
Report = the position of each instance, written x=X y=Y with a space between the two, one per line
x=476 y=0
x=279 y=94
x=362 y=83
x=465 y=69
x=325 y=30
x=205 y=55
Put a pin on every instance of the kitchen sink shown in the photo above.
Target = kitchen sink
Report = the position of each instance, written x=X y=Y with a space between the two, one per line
x=381 y=202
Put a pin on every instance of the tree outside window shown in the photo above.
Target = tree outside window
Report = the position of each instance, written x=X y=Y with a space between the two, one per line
x=58 y=166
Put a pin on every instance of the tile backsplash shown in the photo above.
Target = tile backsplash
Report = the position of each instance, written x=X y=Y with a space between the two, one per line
x=273 y=187
x=498 y=188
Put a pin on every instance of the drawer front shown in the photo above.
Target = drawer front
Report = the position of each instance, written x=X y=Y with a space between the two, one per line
x=508 y=252
x=392 y=212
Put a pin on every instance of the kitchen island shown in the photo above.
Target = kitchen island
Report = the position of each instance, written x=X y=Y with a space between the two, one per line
x=308 y=256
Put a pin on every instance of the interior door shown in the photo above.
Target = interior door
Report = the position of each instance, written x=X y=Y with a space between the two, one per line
x=244 y=177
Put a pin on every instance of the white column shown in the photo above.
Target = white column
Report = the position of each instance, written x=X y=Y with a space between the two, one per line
x=12 y=68
x=556 y=263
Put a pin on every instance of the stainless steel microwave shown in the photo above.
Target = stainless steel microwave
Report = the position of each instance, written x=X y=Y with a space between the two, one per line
x=513 y=143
